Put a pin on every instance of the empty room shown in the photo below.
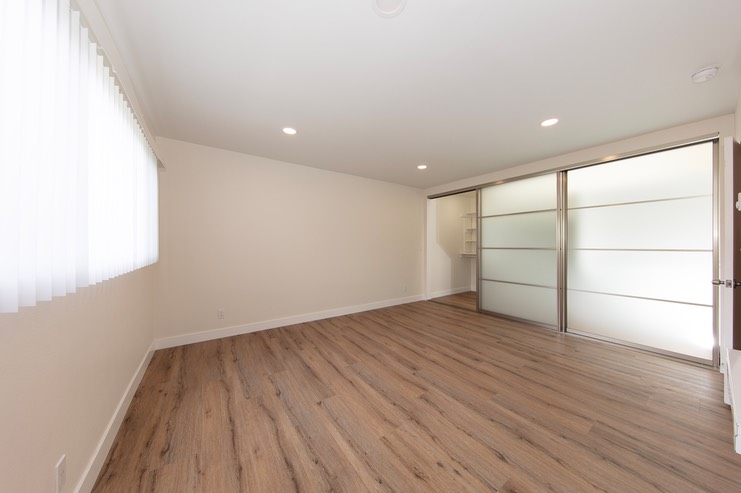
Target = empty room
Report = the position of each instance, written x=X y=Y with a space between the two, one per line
x=371 y=245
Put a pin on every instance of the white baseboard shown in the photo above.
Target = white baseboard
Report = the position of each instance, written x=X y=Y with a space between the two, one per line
x=209 y=335
x=733 y=383
x=723 y=369
x=448 y=292
x=104 y=446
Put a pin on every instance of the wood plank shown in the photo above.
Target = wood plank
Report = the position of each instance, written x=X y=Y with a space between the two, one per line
x=466 y=301
x=421 y=397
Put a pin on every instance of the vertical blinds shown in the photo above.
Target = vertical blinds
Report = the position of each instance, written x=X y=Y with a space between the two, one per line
x=78 y=179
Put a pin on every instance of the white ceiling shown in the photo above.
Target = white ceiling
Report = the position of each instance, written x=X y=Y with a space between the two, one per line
x=461 y=85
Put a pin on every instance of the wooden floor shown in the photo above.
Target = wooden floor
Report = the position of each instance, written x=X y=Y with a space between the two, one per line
x=465 y=300
x=422 y=398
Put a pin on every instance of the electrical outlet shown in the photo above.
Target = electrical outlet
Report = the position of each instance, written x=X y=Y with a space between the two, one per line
x=220 y=313
x=61 y=469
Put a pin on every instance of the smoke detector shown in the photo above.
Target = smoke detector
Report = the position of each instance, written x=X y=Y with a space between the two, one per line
x=705 y=74
x=388 y=8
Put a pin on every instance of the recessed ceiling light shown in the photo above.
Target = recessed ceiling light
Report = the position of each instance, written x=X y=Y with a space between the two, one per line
x=388 y=8
x=549 y=122
x=705 y=74
x=421 y=166
x=289 y=131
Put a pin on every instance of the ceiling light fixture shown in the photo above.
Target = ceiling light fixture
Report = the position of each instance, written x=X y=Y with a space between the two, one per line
x=289 y=131
x=705 y=74
x=421 y=166
x=388 y=8
x=549 y=122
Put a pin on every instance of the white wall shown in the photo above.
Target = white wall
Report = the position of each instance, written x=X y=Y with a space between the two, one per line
x=272 y=243
x=64 y=367
x=447 y=271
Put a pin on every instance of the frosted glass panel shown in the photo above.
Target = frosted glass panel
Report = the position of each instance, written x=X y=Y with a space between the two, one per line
x=532 y=230
x=676 y=173
x=524 y=266
x=631 y=274
x=676 y=276
x=684 y=329
x=526 y=302
x=676 y=224
x=522 y=216
x=530 y=194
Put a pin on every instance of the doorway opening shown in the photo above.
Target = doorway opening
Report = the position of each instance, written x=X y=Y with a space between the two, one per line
x=452 y=253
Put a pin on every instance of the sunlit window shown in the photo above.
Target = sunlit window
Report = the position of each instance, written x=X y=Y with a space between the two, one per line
x=78 y=179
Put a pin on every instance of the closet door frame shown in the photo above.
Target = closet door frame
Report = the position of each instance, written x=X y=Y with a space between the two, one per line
x=562 y=242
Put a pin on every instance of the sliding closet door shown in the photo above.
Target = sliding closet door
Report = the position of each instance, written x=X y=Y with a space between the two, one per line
x=518 y=249
x=640 y=251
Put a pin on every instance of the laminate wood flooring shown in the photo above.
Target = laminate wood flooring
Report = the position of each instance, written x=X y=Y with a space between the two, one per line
x=465 y=300
x=422 y=398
